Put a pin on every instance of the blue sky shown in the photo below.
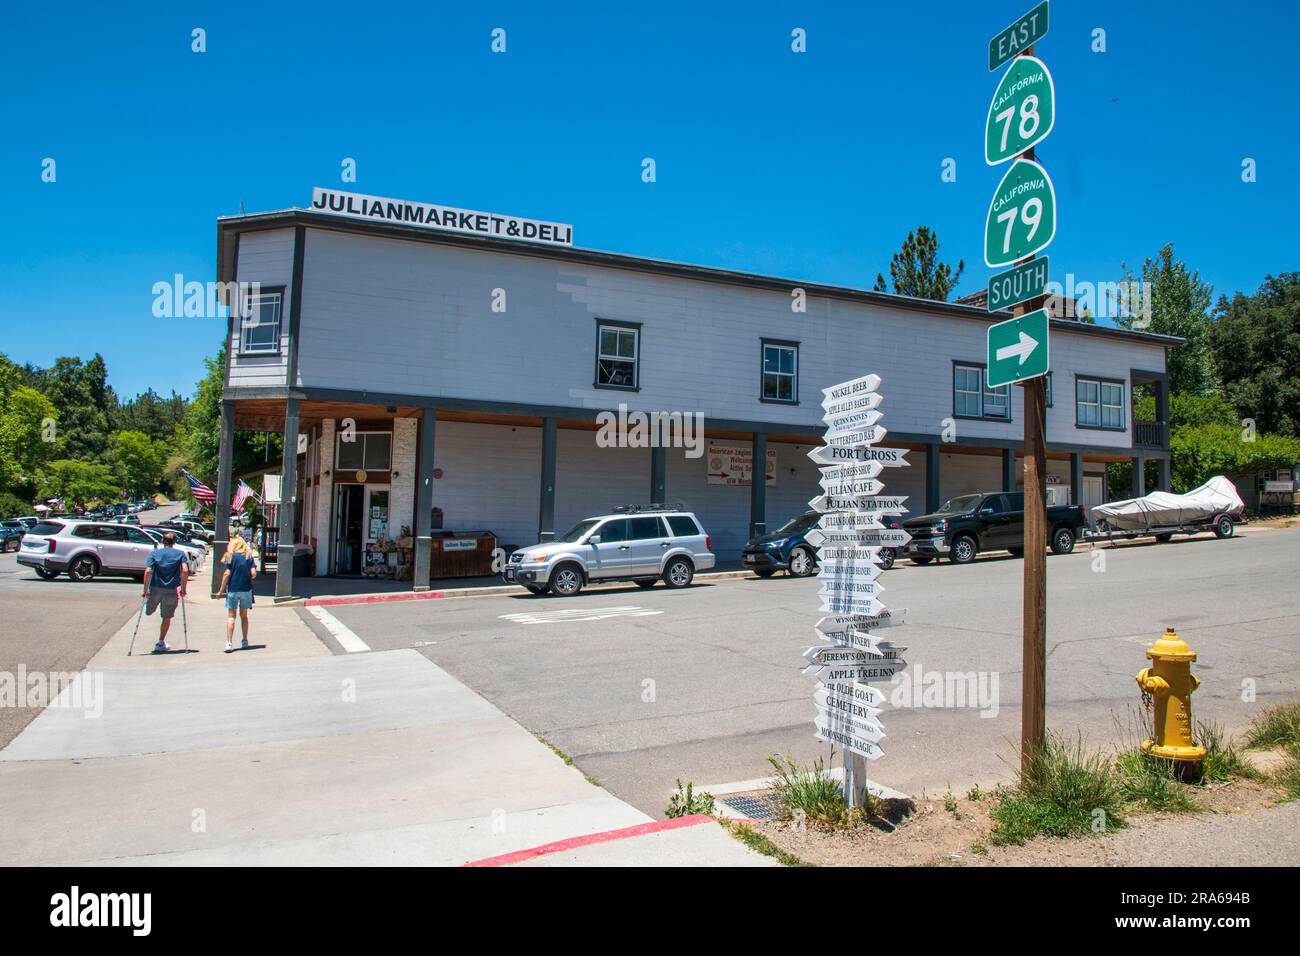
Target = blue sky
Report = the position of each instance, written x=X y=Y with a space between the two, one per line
x=809 y=165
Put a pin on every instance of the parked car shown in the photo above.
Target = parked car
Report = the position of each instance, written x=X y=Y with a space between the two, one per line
x=194 y=552
x=787 y=549
x=11 y=534
x=969 y=524
x=85 y=549
x=30 y=521
x=640 y=545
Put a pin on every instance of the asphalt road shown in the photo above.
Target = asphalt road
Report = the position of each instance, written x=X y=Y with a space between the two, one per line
x=644 y=687
x=59 y=625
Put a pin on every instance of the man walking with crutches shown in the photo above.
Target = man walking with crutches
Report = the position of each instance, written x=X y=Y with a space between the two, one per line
x=165 y=576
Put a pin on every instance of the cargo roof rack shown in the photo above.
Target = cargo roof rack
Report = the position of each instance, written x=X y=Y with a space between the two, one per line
x=655 y=506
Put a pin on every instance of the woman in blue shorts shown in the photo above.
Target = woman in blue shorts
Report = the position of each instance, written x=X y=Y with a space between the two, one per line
x=237 y=586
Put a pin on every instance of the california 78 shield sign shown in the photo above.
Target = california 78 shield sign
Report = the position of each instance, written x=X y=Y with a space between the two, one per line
x=1022 y=215
x=1022 y=112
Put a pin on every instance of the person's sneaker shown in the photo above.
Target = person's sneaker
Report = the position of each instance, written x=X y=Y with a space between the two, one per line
x=229 y=646
x=161 y=647
x=244 y=644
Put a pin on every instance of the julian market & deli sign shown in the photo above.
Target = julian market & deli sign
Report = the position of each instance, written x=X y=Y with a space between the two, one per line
x=446 y=218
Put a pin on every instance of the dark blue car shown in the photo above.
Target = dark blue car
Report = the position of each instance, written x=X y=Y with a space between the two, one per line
x=11 y=535
x=787 y=550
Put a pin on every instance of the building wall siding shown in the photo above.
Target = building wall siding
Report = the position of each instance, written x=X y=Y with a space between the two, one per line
x=416 y=318
x=265 y=257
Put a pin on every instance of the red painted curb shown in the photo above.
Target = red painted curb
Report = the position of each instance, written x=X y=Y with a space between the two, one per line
x=640 y=829
x=374 y=598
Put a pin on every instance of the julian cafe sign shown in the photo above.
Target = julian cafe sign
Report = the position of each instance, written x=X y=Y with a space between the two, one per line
x=447 y=218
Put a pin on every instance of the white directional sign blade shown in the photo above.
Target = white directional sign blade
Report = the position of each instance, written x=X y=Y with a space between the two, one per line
x=1022 y=349
x=854 y=673
x=849 y=521
x=845 y=552
x=841 y=587
x=859 y=640
x=840 y=455
x=831 y=696
x=839 y=654
x=849 y=422
x=888 y=538
x=848 y=569
x=883 y=504
x=855 y=471
x=842 y=624
x=850 y=742
x=871 y=732
x=849 y=604
x=851 y=388
x=851 y=487
x=858 y=436
x=858 y=403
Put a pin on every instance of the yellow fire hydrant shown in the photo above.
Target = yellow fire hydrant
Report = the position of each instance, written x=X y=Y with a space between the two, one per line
x=1171 y=683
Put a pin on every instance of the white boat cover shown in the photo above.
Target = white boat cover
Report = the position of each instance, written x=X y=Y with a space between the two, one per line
x=1162 y=509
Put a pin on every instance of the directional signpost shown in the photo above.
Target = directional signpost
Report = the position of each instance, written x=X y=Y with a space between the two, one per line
x=850 y=535
x=1021 y=223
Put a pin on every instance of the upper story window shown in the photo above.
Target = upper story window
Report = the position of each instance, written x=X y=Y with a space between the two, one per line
x=1047 y=387
x=1099 y=404
x=368 y=451
x=972 y=397
x=259 y=330
x=618 y=353
x=780 y=371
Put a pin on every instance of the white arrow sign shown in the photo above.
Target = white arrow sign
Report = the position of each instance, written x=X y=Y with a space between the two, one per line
x=883 y=504
x=849 y=422
x=850 y=605
x=839 y=455
x=849 y=569
x=839 y=696
x=849 y=521
x=851 y=552
x=849 y=587
x=854 y=673
x=858 y=436
x=842 y=624
x=851 y=388
x=839 y=654
x=851 y=487
x=860 y=640
x=1024 y=348
x=828 y=539
x=856 y=470
x=857 y=403
x=862 y=730
x=887 y=538
x=851 y=742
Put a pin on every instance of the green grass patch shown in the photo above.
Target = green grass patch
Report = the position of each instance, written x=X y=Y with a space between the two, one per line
x=1278 y=726
x=1223 y=760
x=1063 y=791
x=685 y=802
x=814 y=798
x=760 y=844
x=1288 y=776
x=1150 y=783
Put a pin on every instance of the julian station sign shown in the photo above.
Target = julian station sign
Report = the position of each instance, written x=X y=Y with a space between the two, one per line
x=443 y=218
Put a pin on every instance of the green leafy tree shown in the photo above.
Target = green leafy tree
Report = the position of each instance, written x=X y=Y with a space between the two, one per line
x=80 y=393
x=78 y=482
x=1255 y=344
x=1179 y=305
x=26 y=440
x=1199 y=452
x=140 y=460
x=916 y=270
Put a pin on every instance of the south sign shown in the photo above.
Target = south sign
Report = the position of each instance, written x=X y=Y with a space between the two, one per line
x=1022 y=215
x=1022 y=112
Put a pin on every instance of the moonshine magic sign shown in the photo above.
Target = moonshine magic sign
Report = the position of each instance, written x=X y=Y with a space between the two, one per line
x=443 y=218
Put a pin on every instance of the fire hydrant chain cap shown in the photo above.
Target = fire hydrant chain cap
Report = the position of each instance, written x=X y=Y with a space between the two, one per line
x=1171 y=647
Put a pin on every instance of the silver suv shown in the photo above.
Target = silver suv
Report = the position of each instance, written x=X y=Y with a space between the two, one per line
x=641 y=545
x=85 y=549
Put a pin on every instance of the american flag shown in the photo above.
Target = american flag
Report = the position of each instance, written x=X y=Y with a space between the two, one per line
x=242 y=494
x=201 y=492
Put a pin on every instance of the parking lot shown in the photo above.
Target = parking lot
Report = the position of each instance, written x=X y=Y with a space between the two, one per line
x=642 y=687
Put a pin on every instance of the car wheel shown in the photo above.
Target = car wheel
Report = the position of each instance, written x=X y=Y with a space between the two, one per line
x=802 y=562
x=679 y=573
x=46 y=574
x=83 y=568
x=765 y=574
x=963 y=550
x=566 y=580
x=1223 y=527
x=887 y=558
x=916 y=559
x=1063 y=541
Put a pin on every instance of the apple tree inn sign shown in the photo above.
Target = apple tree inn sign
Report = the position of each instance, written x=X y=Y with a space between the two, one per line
x=443 y=218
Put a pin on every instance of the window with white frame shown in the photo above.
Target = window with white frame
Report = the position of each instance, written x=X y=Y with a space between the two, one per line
x=780 y=372
x=973 y=398
x=617 y=350
x=1099 y=404
x=260 y=325
x=367 y=451
x=997 y=401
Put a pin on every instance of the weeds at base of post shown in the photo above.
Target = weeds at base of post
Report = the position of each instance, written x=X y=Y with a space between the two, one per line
x=817 y=800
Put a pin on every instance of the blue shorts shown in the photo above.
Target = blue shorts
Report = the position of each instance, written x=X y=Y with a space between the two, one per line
x=236 y=599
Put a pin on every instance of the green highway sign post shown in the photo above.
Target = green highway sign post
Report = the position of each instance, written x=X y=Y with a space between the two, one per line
x=1023 y=33
x=1021 y=219
x=1024 y=282
x=1022 y=112
x=1017 y=349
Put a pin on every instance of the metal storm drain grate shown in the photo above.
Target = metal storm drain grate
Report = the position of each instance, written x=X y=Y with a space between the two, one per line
x=754 y=809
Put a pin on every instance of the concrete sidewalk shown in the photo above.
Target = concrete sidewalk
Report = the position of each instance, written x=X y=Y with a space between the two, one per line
x=291 y=755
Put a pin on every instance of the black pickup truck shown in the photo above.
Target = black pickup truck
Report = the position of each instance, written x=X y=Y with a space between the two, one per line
x=969 y=524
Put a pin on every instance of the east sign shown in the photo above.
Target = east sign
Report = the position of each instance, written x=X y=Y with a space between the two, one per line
x=1022 y=111
x=1025 y=32
x=1022 y=215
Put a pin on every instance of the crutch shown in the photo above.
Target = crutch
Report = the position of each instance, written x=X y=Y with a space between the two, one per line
x=131 y=646
x=185 y=626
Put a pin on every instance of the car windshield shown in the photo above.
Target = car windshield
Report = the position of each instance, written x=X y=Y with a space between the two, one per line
x=799 y=523
x=959 y=506
x=577 y=531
